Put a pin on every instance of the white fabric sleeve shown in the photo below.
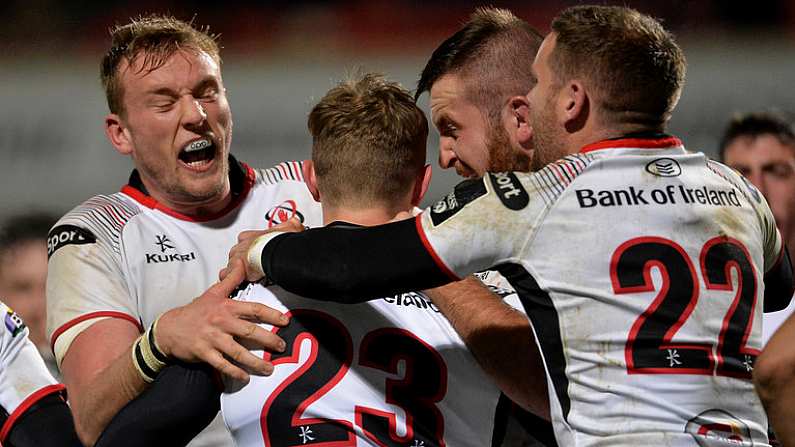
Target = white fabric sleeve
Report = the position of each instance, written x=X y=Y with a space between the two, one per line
x=85 y=283
x=482 y=223
x=24 y=378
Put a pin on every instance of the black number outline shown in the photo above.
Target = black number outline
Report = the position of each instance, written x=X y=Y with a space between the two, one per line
x=718 y=258
x=729 y=360
x=302 y=317
x=374 y=354
x=627 y=280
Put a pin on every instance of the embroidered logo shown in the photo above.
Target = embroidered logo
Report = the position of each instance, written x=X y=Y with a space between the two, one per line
x=664 y=167
x=164 y=243
x=283 y=212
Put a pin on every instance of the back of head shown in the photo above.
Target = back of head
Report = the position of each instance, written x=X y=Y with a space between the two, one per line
x=24 y=228
x=146 y=43
x=492 y=53
x=368 y=142
x=628 y=60
x=753 y=125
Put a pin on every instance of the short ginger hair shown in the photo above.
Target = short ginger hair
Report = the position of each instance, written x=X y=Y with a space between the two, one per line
x=368 y=142
x=632 y=62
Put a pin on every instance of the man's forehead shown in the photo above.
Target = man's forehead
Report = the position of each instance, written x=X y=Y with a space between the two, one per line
x=449 y=91
x=149 y=66
x=758 y=148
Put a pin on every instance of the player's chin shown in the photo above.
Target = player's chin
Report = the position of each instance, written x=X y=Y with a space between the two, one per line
x=466 y=172
x=206 y=188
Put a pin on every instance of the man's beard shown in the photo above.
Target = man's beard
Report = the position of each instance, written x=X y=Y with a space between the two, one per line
x=175 y=190
x=548 y=140
x=502 y=155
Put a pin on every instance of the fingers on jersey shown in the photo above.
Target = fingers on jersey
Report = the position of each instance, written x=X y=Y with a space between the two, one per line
x=230 y=277
x=208 y=329
x=260 y=313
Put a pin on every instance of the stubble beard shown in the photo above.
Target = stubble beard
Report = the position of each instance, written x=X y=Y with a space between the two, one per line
x=548 y=140
x=502 y=155
x=180 y=191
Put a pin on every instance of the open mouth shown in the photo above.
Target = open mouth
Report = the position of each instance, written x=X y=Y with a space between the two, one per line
x=198 y=153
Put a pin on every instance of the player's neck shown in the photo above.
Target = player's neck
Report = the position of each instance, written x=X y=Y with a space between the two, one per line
x=369 y=216
x=190 y=206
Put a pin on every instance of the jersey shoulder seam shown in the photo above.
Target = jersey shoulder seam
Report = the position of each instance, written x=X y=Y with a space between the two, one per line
x=105 y=216
x=553 y=179
x=283 y=172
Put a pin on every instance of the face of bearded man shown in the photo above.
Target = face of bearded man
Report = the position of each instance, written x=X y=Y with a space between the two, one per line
x=502 y=155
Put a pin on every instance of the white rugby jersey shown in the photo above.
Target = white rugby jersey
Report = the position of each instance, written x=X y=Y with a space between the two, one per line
x=24 y=378
x=127 y=256
x=641 y=267
x=391 y=371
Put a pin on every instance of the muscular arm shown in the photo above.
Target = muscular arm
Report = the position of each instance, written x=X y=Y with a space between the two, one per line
x=100 y=376
x=358 y=264
x=363 y=263
x=496 y=333
x=774 y=377
x=98 y=367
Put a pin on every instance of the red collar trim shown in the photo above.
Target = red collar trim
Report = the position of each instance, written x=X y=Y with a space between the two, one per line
x=150 y=202
x=641 y=143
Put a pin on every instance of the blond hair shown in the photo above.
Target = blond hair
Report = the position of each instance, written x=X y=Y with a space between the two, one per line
x=147 y=43
x=368 y=142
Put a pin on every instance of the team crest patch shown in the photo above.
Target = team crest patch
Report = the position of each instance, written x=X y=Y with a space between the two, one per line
x=14 y=323
x=283 y=212
x=718 y=425
x=464 y=192
x=64 y=235
x=664 y=167
x=509 y=190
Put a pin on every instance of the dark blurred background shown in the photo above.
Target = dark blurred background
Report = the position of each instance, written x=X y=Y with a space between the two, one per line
x=280 y=57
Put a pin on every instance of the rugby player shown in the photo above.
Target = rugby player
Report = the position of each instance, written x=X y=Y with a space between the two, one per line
x=33 y=409
x=136 y=259
x=477 y=80
x=387 y=371
x=643 y=267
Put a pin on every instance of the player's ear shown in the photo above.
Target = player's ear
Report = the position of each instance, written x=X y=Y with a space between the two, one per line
x=421 y=184
x=575 y=105
x=520 y=126
x=308 y=170
x=118 y=134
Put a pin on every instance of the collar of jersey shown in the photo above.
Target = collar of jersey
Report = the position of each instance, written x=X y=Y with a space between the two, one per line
x=635 y=141
x=241 y=179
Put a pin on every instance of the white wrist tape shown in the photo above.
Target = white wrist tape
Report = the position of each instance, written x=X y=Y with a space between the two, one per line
x=254 y=254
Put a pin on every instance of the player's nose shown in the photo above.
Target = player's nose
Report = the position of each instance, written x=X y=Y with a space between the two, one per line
x=447 y=155
x=193 y=113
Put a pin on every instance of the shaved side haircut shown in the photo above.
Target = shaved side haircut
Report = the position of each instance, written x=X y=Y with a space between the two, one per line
x=492 y=54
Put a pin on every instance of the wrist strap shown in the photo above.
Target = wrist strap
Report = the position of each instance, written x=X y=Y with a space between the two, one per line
x=254 y=254
x=147 y=356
